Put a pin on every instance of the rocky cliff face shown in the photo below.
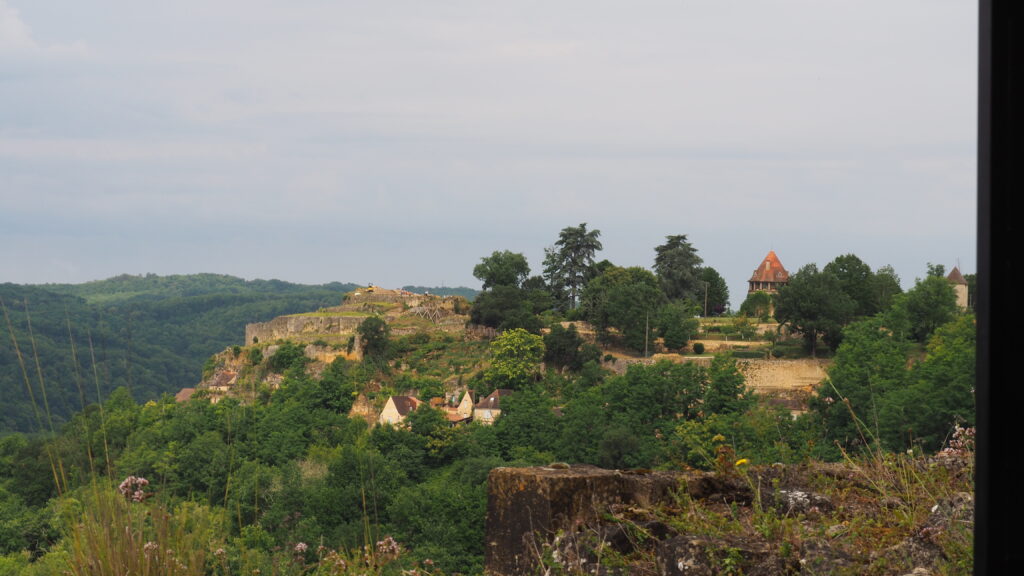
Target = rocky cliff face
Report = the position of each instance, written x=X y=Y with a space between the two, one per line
x=775 y=520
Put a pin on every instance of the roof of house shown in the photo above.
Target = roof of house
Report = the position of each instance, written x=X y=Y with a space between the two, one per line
x=955 y=277
x=454 y=417
x=184 y=394
x=493 y=400
x=406 y=404
x=770 y=270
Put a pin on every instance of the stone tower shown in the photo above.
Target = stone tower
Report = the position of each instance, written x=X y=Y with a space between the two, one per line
x=956 y=279
x=769 y=276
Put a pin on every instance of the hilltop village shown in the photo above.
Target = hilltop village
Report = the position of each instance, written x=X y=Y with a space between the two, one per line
x=331 y=333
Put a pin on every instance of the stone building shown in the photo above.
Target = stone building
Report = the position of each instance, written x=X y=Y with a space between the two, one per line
x=487 y=410
x=397 y=408
x=769 y=276
x=956 y=279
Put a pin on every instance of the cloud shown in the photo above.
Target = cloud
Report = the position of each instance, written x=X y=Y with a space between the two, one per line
x=15 y=35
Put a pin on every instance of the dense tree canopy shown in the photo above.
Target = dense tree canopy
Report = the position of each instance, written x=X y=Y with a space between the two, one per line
x=928 y=305
x=856 y=280
x=869 y=364
x=886 y=286
x=150 y=334
x=874 y=395
x=508 y=307
x=814 y=304
x=627 y=299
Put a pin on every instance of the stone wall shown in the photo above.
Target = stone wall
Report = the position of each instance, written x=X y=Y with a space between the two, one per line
x=788 y=383
x=772 y=375
x=301 y=327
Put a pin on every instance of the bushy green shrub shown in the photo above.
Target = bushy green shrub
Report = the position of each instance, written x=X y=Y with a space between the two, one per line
x=698 y=347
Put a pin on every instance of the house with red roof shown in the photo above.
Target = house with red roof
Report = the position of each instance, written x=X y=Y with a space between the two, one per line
x=769 y=276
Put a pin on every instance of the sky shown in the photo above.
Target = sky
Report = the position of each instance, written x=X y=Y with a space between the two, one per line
x=399 y=142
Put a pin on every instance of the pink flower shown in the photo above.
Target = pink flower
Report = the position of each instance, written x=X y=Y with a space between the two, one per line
x=132 y=488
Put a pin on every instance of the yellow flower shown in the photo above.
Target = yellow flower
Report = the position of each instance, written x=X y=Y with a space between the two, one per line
x=742 y=461
x=718 y=438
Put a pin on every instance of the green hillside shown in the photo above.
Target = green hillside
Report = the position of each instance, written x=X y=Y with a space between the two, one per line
x=149 y=333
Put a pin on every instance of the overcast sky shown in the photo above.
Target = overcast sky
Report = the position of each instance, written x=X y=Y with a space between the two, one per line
x=398 y=142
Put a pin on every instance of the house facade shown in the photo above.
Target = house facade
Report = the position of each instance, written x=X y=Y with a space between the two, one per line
x=397 y=408
x=487 y=410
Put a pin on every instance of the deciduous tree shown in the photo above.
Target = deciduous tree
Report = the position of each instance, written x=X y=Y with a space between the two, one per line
x=856 y=280
x=814 y=304
x=628 y=299
x=928 y=305
x=516 y=355
x=676 y=324
x=374 y=334
x=870 y=363
x=716 y=292
x=502 y=268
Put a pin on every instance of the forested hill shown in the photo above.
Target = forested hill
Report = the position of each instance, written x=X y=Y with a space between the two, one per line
x=150 y=333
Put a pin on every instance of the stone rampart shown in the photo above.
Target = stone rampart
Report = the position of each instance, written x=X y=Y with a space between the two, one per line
x=301 y=327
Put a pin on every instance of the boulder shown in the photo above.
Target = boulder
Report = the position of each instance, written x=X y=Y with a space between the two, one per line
x=533 y=512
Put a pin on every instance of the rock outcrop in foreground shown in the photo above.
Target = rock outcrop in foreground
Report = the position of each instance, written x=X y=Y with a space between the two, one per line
x=776 y=520
x=531 y=508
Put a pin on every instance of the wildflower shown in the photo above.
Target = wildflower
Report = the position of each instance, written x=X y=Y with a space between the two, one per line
x=388 y=547
x=718 y=438
x=742 y=461
x=150 y=547
x=219 y=552
x=133 y=488
x=301 y=548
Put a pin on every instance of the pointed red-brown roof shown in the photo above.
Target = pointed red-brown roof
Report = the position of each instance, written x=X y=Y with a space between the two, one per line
x=770 y=270
x=955 y=277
